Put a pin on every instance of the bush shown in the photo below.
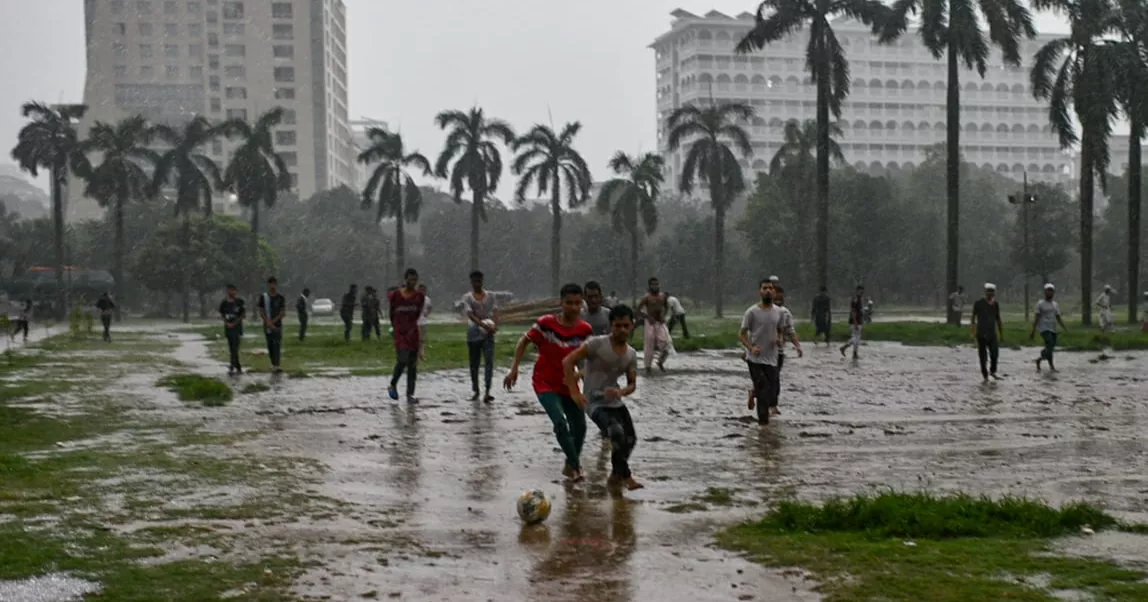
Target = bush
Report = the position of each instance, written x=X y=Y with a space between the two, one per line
x=194 y=387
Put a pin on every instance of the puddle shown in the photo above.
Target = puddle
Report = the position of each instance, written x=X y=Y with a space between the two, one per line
x=46 y=588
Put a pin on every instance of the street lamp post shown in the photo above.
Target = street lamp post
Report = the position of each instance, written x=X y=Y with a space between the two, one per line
x=1024 y=200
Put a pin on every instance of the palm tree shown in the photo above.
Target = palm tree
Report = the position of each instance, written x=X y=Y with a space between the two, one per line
x=545 y=160
x=256 y=172
x=710 y=132
x=50 y=142
x=795 y=162
x=1133 y=26
x=193 y=175
x=472 y=145
x=392 y=186
x=631 y=200
x=777 y=19
x=1080 y=72
x=123 y=175
x=953 y=28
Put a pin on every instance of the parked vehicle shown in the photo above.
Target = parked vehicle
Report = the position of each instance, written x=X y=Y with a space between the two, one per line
x=323 y=307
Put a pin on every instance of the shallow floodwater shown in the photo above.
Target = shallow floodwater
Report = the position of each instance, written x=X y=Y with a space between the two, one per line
x=443 y=475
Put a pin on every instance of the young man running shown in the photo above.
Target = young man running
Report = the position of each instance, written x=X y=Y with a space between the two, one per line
x=606 y=359
x=406 y=307
x=761 y=332
x=988 y=331
x=233 y=311
x=482 y=311
x=822 y=315
x=656 y=339
x=789 y=333
x=1047 y=317
x=597 y=316
x=272 y=306
x=556 y=336
x=856 y=320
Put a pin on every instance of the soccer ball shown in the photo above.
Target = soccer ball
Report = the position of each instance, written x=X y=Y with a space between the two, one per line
x=533 y=506
x=488 y=323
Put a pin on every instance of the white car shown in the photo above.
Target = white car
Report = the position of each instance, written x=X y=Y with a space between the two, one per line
x=323 y=307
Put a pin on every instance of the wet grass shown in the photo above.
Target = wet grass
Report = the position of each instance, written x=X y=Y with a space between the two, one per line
x=910 y=547
x=212 y=392
x=252 y=388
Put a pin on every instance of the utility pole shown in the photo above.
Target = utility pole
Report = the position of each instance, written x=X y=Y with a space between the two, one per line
x=1024 y=201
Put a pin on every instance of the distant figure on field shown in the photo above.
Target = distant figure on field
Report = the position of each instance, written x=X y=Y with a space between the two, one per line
x=272 y=306
x=677 y=315
x=988 y=331
x=232 y=310
x=107 y=308
x=1047 y=317
x=481 y=310
x=657 y=336
x=822 y=315
x=303 y=310
x=957 y=303
x=347 y=311
x=1104 y=304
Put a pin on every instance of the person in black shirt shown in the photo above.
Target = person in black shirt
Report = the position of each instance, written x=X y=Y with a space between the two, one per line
x=822 y=315
x=233 y=311
x=856 y=320
x=369 y=307
x=272 y=306
x=106 y=307
x=988 y=330
x=347 y=311
x=303 y=310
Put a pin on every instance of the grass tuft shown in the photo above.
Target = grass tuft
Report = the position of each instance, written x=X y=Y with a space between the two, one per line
x=194 y=387
x=251 y=388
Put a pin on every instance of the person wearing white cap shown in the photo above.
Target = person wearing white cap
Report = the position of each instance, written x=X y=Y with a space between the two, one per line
x=1104 y=304
x=1047 y=317
x=988 y=330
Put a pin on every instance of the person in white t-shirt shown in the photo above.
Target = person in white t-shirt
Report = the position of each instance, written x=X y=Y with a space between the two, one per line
x=1104 y=304
x=424 y=319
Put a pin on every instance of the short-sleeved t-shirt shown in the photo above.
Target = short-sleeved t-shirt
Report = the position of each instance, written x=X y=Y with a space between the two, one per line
x=1046 y=312
x=483 y=310
x=232 y=309
x=987 y=315
x=762 y=325
x=277 y=305
x=856 y=311
x=555 y=341
x=405 y=314
x=604 y=366
x=599 y=321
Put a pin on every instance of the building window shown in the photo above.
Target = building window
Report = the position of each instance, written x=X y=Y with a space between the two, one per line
x=285 y=138
x=291 y=158
x=172 y=72
x=232 y=10
x=289 y=117
x=212 y=17
x=216 y=105
x=282 y=31
x=121 y=71
x=235 y=71
x=240 y=114
x=121 y=29
x=171 y=30
x=143 y=7
x=118 y=49
x=195 y=51
x=171 y=50
x=145 y=29
x=193 y=8
x=285 y=93
x=284 y=74
x=294 y=180
x=169 y=7
x=283 y=52
x=234 y=50
x=235 y=29
x=213 y=62
x=236 y=93
x=213 y=40
x=196 y=72
x=195 y=30
x=145 y=51
x=281 y=10
x=213 y=83
x=117 y=7
x=147 y=72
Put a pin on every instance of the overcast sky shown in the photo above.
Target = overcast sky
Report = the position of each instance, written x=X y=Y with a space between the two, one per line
x=521 y=60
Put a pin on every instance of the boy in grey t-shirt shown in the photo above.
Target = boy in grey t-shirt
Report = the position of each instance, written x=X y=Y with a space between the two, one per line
x=606 y=359
x=1047 y=317
x=761 y=333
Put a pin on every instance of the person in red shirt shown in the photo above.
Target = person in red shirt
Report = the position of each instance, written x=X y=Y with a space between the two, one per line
x=406 y=307
x=556 y=336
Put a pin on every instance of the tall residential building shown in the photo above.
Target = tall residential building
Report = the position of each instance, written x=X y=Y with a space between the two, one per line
x=896 y=107
x=359 y=143
x=170 y=60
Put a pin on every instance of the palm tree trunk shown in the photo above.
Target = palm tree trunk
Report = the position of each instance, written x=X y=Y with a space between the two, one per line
x=952 y=180
x=556 y=237
x=118 y=216
x=475 y=217
x=400 y=236
x=1134 y=175
x=58 y=227
x=185 y=276
x=719 y=260
x=1086 y=186
x=823 y=166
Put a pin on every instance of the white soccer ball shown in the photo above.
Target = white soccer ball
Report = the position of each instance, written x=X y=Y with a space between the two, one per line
x=488 y=323
x=533 y=506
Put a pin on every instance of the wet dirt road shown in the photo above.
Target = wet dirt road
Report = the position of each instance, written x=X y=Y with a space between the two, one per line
x=433 y=486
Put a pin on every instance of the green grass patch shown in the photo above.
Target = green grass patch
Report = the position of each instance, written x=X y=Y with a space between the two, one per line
x=251 y=388
x=212 y=392
x=911 y=547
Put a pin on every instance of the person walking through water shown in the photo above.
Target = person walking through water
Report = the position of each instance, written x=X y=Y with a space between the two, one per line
x=988 y=331
x=760 y=335
x=822 y=315
x=597 y=316
x=856 y=321
x=272 y=307
x=656 y=338
x=1047 y=317
x=606 y=359
x=424 y=320
x=347 y=311
x=232 y=310
x=957 y=303
x=482 y=312
x=406 y=308
x=1104 y=304
x=106 y=307
x=556 y=336
x=303 y=311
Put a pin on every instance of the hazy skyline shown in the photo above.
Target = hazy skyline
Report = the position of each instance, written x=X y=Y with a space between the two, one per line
x=585 y=61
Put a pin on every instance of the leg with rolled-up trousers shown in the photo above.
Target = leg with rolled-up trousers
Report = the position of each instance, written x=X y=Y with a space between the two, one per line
x=1049 y=339
x=619 y=427
x=569 y=425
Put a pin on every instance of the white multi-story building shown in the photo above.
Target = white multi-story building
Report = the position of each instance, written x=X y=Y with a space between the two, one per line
x=896 y=107
x=359 y=143
x=170 y=60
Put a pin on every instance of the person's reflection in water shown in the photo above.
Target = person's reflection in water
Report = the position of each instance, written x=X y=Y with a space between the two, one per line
x=484 y=481
x=765 y=458
x=406 y=455
x=589 y=556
